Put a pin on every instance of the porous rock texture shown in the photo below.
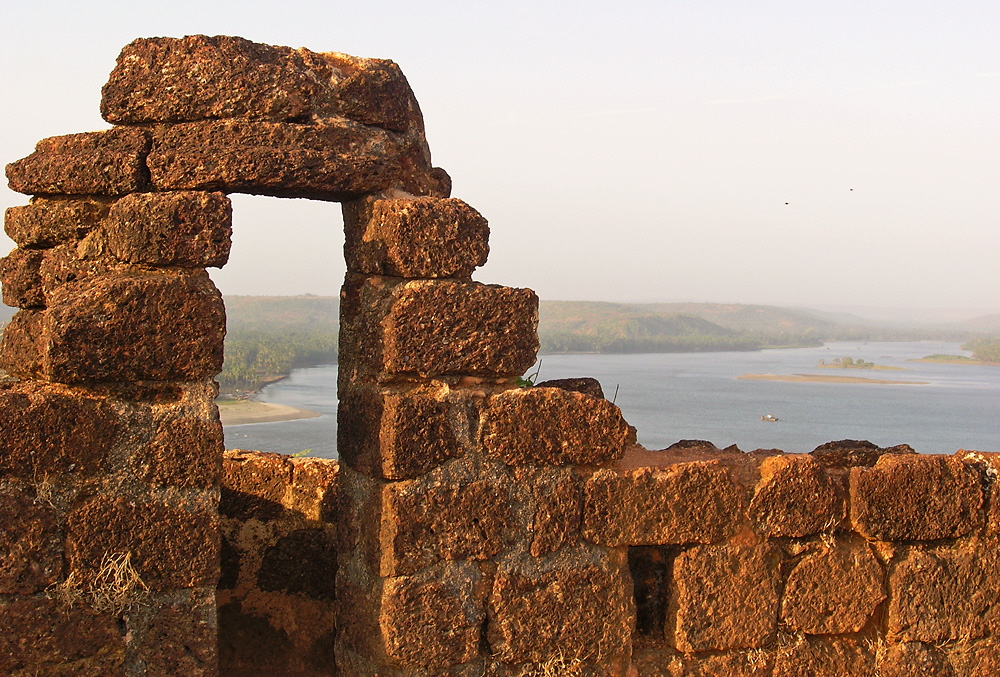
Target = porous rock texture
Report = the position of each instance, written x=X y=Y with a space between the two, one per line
x=472 y=527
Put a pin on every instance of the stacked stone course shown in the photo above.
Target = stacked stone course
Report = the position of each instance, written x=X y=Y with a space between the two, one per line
x=471 y=527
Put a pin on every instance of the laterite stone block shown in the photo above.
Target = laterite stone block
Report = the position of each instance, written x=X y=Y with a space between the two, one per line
x=93 y=163
x=833 y=657
x=428 y=328
x=19 y=274
x=50 y=222
x=172 y=546
x=47 y=431
x=31 y=541
x=689 y=502
x=401 y=432
x=917 y=497
x=833 y=591
x=725 y=597
x=943 y=594
x=552 y=426
x=129 y=327
x=187 y=228
x=795 y=497
x=577 y=605
x=201 y=77
x=414 y=238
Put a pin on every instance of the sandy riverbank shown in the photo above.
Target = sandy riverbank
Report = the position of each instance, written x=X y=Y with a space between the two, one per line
x=243 y=412
x=823 y=378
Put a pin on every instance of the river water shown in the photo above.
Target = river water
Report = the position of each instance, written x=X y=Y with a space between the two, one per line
x=673 y=396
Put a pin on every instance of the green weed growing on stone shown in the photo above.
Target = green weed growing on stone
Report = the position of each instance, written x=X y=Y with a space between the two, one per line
x=528 y=380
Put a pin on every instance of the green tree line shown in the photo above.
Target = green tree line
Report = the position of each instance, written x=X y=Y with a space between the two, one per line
x=986 y=348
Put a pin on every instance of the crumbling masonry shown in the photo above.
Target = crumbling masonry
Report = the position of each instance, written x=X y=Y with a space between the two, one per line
x=471 y=527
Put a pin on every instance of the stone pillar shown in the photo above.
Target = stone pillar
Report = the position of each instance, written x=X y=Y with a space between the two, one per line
x=111 y=443
x=461 y=547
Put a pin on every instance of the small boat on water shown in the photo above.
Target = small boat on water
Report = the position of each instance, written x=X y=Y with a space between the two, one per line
x=769 y=418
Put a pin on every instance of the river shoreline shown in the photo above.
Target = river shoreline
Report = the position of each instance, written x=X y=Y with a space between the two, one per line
x=246 y=412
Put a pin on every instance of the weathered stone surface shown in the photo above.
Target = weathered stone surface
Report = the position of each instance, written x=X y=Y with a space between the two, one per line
x=557 y=507
x=47 y=431
x=552 y=426
x=131 y=327
x=186 y=228
x=400 y=432
x=414 y=238
x=974 y=658
x=916 y=497
x=171 y=546
x=22 y=344
x=302 y=562
x=458 y=511
x=331 y=160
x=111 y=162
x=175 y=634
x=725 y=597
x=313 y=493
x=949 y=593
x=583 y=384
x=200 y=77
x=186 y=450
x=913 y=659
x=435 y=327
x=39 y=637
x=72 y=263
x=31 y=541
x=795 y=497
x=49 y=222
x=693 y=502
x=577 y=604
x=434 y=619
x=833 y=591
x=834 y=657
x=254 y=485
x=22 y=285
x=853 y=453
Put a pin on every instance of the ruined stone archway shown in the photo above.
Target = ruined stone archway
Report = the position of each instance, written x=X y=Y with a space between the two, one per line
x=484 y=528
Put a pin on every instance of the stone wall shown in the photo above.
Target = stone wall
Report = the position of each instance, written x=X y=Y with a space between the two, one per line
x=472 y=527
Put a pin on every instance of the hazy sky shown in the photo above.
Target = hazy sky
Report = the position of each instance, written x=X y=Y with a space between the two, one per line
x=639 y=152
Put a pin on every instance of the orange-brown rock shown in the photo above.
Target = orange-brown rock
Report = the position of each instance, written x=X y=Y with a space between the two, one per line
x=552 y=426
x=913 y=659
x=401 y=432
x=313 y=493
x=833 y=657
x=458 y=511
x=176 y=634
x=170 y=546
x=47 y=222
x=687 y=502
x=916 y=497
x=428 y=328
x=200 y=77
x=254 y=485
x=22 y=344
x=39 y=637
x=581 y=384
x=186 y=228
x=833 y=591
x=22 y=284
x=576 y=604
x=93 y=163
x=31 y=541
x=433 y=619
x=186 y=448
x=47 y=431
x=331 y=160
x=138 y=326
x=725 y=597
x=73 y=262
x=414 y=238
x=795 y=497
x=556 y=507
x=947 y=593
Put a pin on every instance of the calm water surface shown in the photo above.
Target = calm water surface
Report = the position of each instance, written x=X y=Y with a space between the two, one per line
x=676 y=396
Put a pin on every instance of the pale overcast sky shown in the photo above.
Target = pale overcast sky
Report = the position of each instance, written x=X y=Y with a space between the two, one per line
x=797 y=153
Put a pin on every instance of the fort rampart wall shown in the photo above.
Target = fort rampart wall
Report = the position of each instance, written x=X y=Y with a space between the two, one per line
x=471 y=527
